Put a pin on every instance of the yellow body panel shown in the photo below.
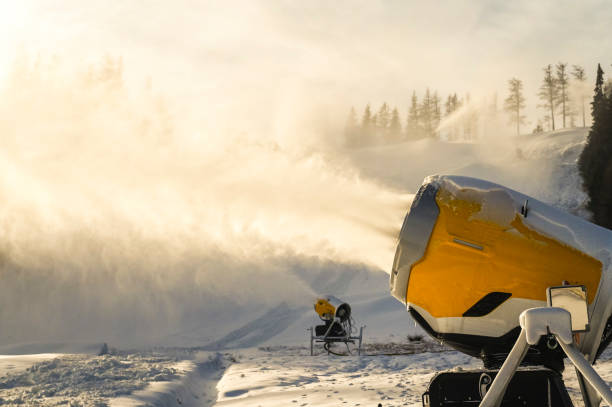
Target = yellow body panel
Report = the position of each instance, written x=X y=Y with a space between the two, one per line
x=472 y=253
x=324 y=308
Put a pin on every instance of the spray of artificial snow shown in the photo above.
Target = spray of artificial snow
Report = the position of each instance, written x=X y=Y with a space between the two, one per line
x=119 y=220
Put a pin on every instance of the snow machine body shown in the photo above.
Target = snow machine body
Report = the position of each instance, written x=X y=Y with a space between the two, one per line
x=334 y=313
x=337 y=327
x=472 y=255
x=329 y=307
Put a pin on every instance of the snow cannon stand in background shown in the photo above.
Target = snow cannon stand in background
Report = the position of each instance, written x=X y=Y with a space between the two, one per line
x=337 y=327
x=508 y=279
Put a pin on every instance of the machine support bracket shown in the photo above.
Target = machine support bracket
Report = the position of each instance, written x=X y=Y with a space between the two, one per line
x=536 y=322
x=328 y=339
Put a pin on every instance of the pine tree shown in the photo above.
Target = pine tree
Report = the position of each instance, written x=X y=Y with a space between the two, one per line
x=451 y=106
x=425 y=119
x=436 y=114
x=515 y=102
x=449 y=109
x=373 y=134
x=548 y=93
x=366 y=125
x=580 y=77
x=351 y=129
x=538 y=129
x=383 y=117
x=395 y=127
x=604 y=214
x=448 y=106
x=562 y=94
x=412 y=123
x=595 y=162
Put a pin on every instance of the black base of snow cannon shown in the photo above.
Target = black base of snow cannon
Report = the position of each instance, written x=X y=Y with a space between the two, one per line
x=335 y=330
x=529 y=387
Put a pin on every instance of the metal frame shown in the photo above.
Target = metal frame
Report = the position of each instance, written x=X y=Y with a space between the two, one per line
x=332 y=339
x=536 y=322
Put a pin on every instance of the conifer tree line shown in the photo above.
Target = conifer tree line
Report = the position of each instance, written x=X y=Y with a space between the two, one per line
x=562 y=98
x=422 y=120
x=562 y=95
x=595 y=162
x=559 y=99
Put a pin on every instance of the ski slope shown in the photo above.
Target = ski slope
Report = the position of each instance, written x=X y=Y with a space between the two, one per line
x=246 y=377
x=255 y=354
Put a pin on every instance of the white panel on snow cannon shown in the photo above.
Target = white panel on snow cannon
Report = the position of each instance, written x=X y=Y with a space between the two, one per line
x=472 y=255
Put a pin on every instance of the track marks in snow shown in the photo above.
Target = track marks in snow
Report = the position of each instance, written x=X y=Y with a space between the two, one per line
x=333 y=381
x=196 y=386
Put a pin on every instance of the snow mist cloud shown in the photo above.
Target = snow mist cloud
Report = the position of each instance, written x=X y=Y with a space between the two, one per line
x=118 y=221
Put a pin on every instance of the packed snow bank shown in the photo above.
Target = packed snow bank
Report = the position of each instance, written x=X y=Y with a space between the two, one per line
x=14 y=364
x=195 y=386
x=87 y=380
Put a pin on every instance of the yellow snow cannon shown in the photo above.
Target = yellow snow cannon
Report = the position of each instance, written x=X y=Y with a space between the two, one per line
x=329 y=307
x=472 y=255
x=337 y=327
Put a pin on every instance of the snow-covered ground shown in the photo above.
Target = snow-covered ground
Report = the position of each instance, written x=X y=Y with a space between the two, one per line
x=18 y=363
x=333 y=381
x=351 y=381
x=84 y=379
x=247 y=377
x=258 y=355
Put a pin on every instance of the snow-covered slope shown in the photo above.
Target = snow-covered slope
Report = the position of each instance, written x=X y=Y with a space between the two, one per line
x=241 y=378
x=277 y=380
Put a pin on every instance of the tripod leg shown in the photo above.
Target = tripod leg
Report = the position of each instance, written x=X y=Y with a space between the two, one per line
x=496 y=392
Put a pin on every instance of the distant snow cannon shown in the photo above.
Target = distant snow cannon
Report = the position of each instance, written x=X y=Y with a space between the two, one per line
x=330 y=307
x=338 y=324
x=473 y=255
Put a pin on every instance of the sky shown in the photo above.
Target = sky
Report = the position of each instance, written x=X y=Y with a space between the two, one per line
x=253 y=58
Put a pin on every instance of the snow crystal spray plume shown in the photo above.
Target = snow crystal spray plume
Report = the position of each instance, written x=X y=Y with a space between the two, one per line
x=120 y=222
